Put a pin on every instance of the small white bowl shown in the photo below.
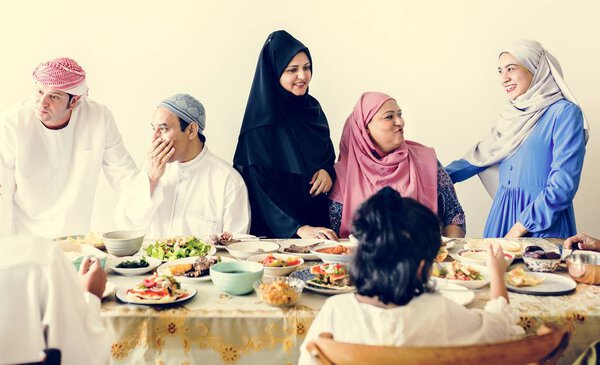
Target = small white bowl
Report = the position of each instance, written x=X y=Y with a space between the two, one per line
x=334 y=258
x=478 y=257
x=280 y=270
x=123 y=243
x=243 y=250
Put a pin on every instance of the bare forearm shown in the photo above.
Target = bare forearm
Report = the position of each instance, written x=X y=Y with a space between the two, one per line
x=453 y=231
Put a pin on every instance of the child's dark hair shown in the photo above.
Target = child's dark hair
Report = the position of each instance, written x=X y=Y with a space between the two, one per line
x=395 y=234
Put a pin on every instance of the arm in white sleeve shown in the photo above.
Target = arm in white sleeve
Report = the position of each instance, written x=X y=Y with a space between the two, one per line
x=72 y=317
x=322 y=323
x=7 y=177
x=236 y=215
x=136 y=208
x=119 y=167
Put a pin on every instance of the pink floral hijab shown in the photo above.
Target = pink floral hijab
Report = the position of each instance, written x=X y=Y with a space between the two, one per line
x=363 y=169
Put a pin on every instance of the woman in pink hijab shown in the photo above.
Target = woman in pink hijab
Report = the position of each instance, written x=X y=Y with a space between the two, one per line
x=374 y=154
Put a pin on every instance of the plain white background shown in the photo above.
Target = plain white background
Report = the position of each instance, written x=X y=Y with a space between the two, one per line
x=437 y=58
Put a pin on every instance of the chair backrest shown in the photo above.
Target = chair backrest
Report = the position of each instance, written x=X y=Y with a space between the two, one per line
x=540 y=349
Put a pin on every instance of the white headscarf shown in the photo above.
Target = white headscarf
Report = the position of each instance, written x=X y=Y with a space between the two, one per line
x=520 y=116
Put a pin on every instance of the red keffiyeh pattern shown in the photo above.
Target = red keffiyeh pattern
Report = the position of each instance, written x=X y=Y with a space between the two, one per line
x=60 y=73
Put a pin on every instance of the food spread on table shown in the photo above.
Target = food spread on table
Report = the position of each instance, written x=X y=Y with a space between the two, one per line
x=133 y=264
x=222 y=239
x=156 y=289
x=457 y=271
x=272 y=261
x=518 y=277
x=278 y=293
x=332 y=275
x=196 y=269
x=177 y=248
x=337 y=250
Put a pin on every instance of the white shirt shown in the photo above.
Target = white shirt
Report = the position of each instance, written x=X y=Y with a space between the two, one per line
x=42 y=291
x=199 y=197
x=48 y=177
x=427 y=320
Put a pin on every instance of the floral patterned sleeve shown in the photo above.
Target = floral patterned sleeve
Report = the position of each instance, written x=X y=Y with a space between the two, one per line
x=449 y=209
x=335 y=215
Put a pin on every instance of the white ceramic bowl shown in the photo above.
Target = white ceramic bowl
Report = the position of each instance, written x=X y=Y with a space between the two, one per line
x=478 y=257
x=281 y=270
x=469 y=284
x=334 y=258
x=123 y=243
x=243 y=250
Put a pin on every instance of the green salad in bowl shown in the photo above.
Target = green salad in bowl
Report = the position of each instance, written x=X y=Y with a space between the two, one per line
x=178 y=248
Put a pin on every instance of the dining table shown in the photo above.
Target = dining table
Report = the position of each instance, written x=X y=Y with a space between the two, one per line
x=218 y=328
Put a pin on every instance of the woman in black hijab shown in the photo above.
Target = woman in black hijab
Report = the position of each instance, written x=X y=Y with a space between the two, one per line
x=284 y=151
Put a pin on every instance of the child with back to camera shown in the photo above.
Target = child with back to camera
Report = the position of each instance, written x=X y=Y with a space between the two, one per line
x=395 y=304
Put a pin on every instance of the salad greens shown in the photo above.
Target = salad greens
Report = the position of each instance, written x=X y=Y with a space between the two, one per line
x=177 y=248
x=133 y=264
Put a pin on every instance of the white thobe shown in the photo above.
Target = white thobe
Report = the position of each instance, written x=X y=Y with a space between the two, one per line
x=43 y=292
x=199 y=197
x=48 y=177
x=427 y=320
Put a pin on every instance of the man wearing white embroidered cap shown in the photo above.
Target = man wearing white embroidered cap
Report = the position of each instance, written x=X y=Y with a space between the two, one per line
x=53 y=148
x=185 y=189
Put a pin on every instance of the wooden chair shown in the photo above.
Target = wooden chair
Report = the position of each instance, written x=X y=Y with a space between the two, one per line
x=544 y=348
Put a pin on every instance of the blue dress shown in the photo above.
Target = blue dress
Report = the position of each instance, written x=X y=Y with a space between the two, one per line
x=539 y=181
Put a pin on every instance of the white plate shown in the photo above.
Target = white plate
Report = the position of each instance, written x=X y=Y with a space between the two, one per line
x=243 y=250
x=114 y=261
x=188 y=260
x=456 y=293
x=480 y=258
x=469 y=284
x=302 y=243
x=108 y=289
x=305 y=275
x=122 y=296
x=553 y=284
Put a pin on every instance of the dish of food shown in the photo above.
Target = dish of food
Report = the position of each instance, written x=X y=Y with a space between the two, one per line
x=221 y=240
x=133 y=265
x=547 y=284
x=279 y=292
x=469 y=276
x=478 y=256
x=302 y=247
x=442 y=254
x=312 y=282
x=191 y=269
x=518 y=277
x=178 y=248
x=335 y=252
x=272 y=261
x=156 y=290
x=511 y=246
x=93 y=238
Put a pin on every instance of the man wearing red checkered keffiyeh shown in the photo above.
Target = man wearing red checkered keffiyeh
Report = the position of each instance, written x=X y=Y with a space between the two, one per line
x=53 y=148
